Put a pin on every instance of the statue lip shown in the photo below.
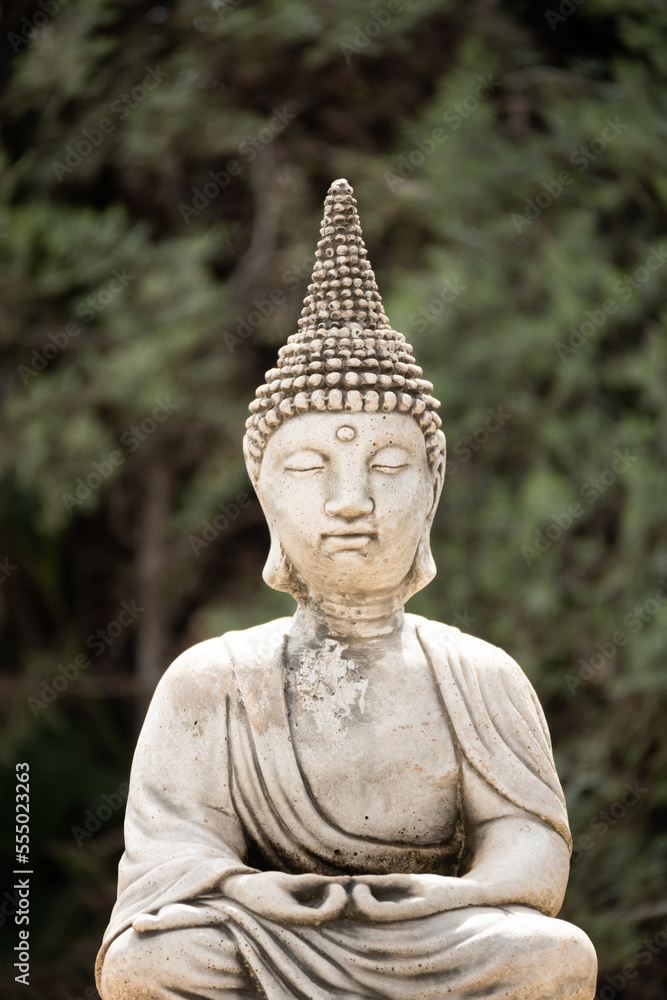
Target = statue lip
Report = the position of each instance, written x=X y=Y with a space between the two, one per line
x=349 y=540
x=350 y=534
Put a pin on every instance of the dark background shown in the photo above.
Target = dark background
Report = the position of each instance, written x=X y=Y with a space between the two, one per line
x=516 y=237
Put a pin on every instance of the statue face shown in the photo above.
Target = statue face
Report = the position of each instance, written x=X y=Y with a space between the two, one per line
x=349 y=495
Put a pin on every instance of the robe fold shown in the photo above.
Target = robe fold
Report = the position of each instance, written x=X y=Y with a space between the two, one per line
x=216 y=787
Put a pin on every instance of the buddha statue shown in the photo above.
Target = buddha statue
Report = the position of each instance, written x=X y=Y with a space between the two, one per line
x=354 y=802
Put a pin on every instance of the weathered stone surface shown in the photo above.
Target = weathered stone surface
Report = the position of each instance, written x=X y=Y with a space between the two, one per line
x=354 y=802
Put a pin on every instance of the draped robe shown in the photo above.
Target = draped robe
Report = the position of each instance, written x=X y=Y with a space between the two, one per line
x=216 y=788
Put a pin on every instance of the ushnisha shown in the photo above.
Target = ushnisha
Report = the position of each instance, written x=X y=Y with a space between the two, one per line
x=345 y=357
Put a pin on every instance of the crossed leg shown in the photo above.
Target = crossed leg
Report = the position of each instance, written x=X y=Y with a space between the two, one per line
x=510 y=953
x=199 y=962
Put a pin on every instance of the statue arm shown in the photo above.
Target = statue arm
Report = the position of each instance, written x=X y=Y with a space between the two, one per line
x=182 y=835
x=516 y=856
x=515 y=816
x=184 y=843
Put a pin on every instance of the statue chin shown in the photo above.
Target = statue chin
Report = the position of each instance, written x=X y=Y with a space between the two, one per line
x=355 y=580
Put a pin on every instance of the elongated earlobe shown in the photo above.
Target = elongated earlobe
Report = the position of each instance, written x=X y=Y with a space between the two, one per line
x=423 y=568
x=279 y=572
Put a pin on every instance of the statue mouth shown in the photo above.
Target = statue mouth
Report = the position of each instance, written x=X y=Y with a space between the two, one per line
x=347 y=541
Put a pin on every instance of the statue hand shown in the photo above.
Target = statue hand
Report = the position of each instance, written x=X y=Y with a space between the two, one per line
x=382 y=898
x=297 y=899
x=175 y=916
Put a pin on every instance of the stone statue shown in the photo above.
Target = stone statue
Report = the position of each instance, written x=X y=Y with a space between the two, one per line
x=353 y=802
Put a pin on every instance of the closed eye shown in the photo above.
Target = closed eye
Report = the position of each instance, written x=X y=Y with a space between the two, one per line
x=390 y=460
x=304 y=461
x=380 y=467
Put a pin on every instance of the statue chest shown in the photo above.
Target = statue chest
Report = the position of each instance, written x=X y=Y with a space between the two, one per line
x=373 y=743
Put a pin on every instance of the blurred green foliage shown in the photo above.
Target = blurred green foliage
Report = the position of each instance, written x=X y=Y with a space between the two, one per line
x=509 y=163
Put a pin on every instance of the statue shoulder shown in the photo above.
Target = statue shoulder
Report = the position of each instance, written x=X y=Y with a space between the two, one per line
x=210 y=664
x=477 y=655
x=257 y=645
x=205 y=665
x=484 y=674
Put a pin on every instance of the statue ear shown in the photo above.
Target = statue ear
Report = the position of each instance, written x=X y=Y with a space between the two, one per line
x=423 y=568
x=438 y=475
x=279 y=572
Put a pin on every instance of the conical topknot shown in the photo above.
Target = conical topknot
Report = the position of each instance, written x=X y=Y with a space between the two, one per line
x=346 y=355
x=343 y=289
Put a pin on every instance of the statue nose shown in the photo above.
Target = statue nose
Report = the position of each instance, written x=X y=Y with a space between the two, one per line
x=353 y=502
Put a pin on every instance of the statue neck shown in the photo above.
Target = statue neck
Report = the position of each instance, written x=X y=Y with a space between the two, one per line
x=348 y=622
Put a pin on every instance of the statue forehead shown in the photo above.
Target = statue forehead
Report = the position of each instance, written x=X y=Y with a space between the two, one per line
x=343 y=431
